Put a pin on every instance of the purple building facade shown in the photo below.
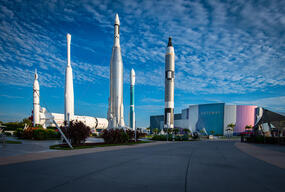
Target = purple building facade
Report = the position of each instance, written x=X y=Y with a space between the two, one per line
x=245 y=115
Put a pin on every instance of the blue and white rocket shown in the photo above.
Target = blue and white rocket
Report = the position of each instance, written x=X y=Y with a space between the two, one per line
x=132 y=100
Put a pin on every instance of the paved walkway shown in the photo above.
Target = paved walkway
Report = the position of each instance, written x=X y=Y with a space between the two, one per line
x=182 y=166
x=65 y=153
x=32 y=146
x=265 y=153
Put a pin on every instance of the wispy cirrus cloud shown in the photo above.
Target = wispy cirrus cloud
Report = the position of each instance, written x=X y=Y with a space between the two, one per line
x=221 y=47
x=273 y=103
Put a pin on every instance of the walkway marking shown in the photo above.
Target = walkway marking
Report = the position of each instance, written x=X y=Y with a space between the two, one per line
x=272 y=157
x=65 y=153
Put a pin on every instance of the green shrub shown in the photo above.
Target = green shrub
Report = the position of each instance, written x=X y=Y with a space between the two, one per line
x=164 y=138
x=13 y=126
x=39 y=134
x=36 y=133
x=18 y=132
x=117 y=136
x=52 y=134
x=53 y=128
x=8 y=134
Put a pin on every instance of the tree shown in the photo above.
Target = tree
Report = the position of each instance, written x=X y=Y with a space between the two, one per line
x=212 y=132
x=27 y=121
x=248 y=127
x=156 y=131
x=230 y=127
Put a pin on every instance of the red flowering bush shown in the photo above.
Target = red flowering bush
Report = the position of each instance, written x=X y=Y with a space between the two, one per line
x=38 y=133
x=77 y=132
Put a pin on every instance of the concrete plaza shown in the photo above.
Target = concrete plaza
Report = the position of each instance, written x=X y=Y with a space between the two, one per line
x=181 y=166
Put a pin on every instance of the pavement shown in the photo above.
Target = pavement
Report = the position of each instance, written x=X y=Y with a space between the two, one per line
x=32 y=146
x=269 y=153
x=179 y=166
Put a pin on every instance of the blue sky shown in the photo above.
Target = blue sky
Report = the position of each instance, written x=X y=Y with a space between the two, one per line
x=226 y=51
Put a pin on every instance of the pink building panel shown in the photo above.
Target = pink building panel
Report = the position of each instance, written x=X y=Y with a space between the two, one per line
x=245 y=115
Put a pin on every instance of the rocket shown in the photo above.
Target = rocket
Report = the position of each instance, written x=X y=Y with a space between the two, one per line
x=132 y=100
x=68 y=92
x=169 y=86
x=116 y=107
x=36 y=102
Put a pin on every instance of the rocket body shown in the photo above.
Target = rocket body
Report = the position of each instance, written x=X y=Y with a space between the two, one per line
x=116 y=107
x=132 y=100
x=68 y=92
x=36 y=101
x=169 y=86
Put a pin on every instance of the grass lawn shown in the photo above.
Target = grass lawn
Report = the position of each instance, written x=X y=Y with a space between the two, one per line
x=11 y=142
x=92 y=145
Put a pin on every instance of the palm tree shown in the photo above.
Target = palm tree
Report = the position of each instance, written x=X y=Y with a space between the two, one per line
x=231 y=127
x=248 y=127
x=156 y=131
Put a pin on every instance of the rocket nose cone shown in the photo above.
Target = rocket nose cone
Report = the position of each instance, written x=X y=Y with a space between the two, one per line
x=133 y=77
x=117 y=21
x=68 y=36
x=133 y=72
x=36 y=74
x=169 y=42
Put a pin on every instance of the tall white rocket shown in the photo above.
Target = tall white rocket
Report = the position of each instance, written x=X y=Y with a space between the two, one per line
x=68 y=92
x=36 y=102
x=116 y=107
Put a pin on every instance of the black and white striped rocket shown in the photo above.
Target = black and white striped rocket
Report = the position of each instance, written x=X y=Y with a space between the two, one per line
x=169 y=86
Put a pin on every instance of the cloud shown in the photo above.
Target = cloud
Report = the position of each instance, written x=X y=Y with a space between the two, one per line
x=273 y=103
x=221 y=47
x=152 y=100
x=11 y=96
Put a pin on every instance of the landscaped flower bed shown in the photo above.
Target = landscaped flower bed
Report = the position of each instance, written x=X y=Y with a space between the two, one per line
x=37 y=133
x=92 y=145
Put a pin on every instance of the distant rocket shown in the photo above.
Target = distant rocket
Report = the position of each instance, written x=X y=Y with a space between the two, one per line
x=68 y=92
x=132 y=124
x=116 y=107
x=36 y=102
x=169 y=86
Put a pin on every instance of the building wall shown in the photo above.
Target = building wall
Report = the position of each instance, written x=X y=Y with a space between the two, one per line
x=193 y=117
x=245 y=116
x=185 y=113
x=229 y=116
x=214 y=117
x=211 y=117
x=155 y=122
